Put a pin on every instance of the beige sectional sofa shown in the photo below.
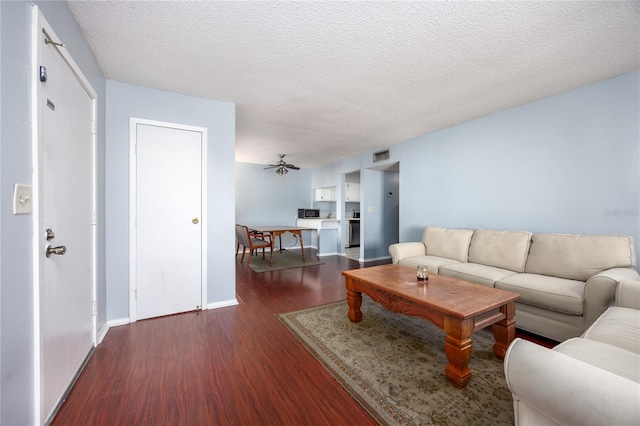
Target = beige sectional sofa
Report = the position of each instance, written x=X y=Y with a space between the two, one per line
x=588 y=380
x=565 y=281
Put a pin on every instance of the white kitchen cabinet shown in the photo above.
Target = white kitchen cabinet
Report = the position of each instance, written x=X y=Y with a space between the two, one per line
x=325 y=194
x=352 y=192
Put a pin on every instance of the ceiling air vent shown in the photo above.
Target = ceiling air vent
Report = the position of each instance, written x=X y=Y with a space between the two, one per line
x=380 y=156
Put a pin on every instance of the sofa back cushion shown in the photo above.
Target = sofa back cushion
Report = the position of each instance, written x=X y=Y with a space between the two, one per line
x=449 y=243
x=501 y=249
x=579 y=257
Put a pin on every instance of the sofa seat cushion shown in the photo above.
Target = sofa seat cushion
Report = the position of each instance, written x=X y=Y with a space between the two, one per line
x=433 y=263
x=501 y=249
x=610 y=358
x=474 y=272
x=447 y=243
x=556 y=294
x=579 y=257
x=619 y=327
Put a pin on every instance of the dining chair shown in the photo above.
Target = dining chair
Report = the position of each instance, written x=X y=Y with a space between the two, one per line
x=252 y=242
x=239 y=232
x=238 y=238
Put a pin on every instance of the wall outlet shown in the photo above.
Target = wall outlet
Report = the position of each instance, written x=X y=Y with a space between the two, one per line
x=22 y=200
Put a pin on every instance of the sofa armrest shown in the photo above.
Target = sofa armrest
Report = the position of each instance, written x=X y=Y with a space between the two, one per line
x=600 y=291
x=628 y=294
x=566 y=390
x=401 y=250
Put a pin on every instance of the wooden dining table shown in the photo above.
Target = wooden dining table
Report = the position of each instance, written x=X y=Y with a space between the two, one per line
x=277 y=231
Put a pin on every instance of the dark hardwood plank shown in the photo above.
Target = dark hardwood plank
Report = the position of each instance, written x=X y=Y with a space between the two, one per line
x=235 y=365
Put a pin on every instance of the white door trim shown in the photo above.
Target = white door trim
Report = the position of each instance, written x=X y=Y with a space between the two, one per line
x=133 y=122
x=40 y=24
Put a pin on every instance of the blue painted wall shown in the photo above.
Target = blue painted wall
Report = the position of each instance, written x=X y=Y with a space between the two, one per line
x=567 y=163
x=124 y=101
x=561 y=164
x=264 y=198
x=379 y=224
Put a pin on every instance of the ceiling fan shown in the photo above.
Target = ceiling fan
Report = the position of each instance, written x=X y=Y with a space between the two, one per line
x=282 y=166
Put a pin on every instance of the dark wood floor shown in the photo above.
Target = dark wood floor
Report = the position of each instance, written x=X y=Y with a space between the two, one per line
x=230 y=366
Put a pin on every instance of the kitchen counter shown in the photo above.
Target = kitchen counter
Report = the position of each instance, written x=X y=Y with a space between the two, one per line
x=319 y=223
x=327 y=228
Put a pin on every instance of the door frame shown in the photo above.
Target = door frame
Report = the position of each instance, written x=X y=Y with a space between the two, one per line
x=133 y=192
x=39 y=24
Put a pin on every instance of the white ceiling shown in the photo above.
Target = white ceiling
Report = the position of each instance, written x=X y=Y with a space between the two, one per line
x=321 y=81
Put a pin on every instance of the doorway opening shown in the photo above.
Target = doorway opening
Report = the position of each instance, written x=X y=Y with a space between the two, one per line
x=381 y=216
x=351 y=228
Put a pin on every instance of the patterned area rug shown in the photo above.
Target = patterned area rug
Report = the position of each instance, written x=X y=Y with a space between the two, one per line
x=285 y=260
x=393 y=365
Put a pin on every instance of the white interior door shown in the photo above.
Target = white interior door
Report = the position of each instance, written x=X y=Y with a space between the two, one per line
x=66 y=217
x=169 y=219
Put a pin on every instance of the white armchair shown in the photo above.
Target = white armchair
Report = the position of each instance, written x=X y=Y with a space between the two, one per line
x=588 y=380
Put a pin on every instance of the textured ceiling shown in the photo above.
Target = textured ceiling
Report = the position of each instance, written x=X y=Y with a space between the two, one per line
x=321 y=81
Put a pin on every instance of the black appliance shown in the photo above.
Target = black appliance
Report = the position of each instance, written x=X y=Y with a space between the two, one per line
x=356 y=215
x=308 y=213
x=354 y=233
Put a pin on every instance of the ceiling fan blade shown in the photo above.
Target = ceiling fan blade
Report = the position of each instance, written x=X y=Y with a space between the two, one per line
x=281 y=166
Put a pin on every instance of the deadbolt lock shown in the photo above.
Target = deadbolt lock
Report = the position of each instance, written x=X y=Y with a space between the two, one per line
x=50 y=235
x=195 y=220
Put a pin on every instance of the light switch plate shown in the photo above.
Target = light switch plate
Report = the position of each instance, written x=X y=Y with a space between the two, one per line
x=22 y=200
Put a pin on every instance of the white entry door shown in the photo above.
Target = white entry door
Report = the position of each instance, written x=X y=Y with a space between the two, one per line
x=168 y=223
x=65 y=224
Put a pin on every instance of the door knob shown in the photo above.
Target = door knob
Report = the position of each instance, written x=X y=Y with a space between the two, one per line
x=60 y=250
x=195 y=220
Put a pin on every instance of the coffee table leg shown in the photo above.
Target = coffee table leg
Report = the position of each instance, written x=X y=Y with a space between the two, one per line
x=457 y=347
x=354 y=300
x=504 y=331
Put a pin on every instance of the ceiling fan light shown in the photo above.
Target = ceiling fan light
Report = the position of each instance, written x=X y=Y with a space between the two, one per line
x=282 y=168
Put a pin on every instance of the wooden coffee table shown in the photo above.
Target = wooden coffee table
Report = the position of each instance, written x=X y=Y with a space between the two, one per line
x=458 y=307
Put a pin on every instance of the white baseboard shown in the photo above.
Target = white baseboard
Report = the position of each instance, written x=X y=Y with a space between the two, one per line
x=124 y=321
x=377 y=258
x=105 y=328
x=335 y=253
x=361 y=260
x=222 y=304
x=101 y=333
